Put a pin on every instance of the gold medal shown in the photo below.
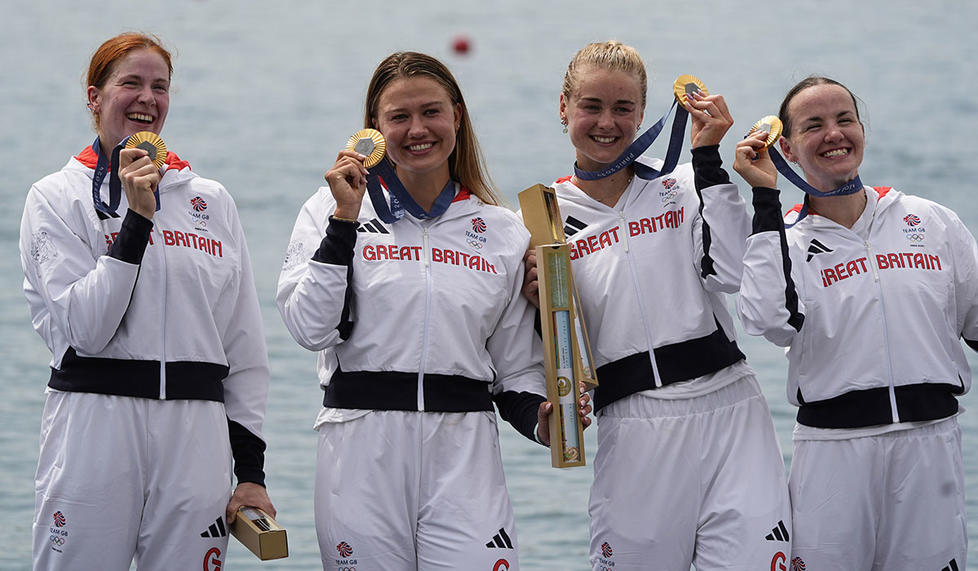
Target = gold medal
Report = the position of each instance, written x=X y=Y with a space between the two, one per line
x=770 y=125
x=151 y=143
x=370 y=143
x=686 y=84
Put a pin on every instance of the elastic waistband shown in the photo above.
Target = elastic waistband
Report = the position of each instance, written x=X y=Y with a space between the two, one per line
x=870 y=407
x=185 y=380
x=374 y=390
x=677 y=362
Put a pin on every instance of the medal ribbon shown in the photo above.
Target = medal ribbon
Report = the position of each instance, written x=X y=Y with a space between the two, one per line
x=401 y=199
x=111 y=167
x=854 y=185
x=641 y=144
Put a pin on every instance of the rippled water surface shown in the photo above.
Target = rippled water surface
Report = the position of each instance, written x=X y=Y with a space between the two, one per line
x=266 y=93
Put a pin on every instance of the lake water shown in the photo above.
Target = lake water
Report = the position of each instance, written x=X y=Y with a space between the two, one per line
x=265 y=94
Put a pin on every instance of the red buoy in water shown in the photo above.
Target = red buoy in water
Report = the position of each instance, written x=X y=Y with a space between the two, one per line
x=461 y=45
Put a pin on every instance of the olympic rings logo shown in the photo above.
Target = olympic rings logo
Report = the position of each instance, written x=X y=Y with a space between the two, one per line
x=57 y=540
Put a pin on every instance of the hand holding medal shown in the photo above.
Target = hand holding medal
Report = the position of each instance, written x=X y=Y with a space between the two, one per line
x=140 y=160
x=348 y=177
x=709 y=113
x=753 y=161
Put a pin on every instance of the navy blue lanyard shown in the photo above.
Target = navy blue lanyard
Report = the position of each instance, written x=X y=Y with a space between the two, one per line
x=853 y=186
x=401 y=199
x=641 y=144
x=102 y=167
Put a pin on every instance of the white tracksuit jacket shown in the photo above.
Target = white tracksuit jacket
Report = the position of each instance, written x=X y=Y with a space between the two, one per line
x=114 y=298
x=434 y=302
x=652 y=273
x=869 y=323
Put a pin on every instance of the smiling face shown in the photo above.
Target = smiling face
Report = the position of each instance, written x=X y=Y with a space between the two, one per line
x=826 y=139
x=603 y=113
x=420 y=122
x=135 y=97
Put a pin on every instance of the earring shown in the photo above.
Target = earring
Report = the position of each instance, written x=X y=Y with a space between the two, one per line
x=563 y=121
x=90 y=107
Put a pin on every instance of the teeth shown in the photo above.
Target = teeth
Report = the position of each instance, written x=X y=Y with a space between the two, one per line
x=421 y=147
x=836 y=153
x=603 y=139
x=142 y=117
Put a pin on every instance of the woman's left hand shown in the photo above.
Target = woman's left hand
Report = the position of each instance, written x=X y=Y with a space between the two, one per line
x=547 y=408
x=249 y=494
x=711 y=119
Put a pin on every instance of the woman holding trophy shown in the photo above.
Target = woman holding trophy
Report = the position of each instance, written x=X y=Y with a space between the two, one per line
x=412 y=299
x=159 y=374
x=688 y=470
x=872 y=291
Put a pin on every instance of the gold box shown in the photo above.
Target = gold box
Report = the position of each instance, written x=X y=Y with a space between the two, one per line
x=257 y=531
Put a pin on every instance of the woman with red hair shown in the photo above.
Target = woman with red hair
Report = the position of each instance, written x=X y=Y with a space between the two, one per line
x=141 y=287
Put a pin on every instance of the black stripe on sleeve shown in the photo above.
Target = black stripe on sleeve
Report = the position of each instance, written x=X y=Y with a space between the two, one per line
x=708 y=167
x=520 y=410
x=767 y=218
x=130 y=245
x=337 y=248
x=249 y=454
x=707 y=172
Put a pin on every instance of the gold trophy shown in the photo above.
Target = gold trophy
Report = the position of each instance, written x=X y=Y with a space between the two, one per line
x=567 y=353
x=257 y=531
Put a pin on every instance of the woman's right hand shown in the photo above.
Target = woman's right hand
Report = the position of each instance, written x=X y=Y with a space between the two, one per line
x=347 y=181
x=531 y=287
x=753 y=162
x=140 y=177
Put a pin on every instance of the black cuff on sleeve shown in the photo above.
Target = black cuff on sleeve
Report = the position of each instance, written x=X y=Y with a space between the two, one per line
x=520 y=410
x=708 y=167
x=130 y=245
x=249 y=454
x=767 y=210
x=337 y=245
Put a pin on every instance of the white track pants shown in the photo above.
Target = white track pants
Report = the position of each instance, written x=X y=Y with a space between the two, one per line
x=892 y=502
x=402 y=491
x=121 y=477
x=691 y=481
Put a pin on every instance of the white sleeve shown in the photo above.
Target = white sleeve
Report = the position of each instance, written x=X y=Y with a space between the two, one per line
x=86 y=296
x=769 y=303
x=312 y=287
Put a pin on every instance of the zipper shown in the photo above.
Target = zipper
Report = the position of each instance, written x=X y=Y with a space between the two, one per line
x=891 y=389
x=427 y=316
x=638 y=296
x=162 y=251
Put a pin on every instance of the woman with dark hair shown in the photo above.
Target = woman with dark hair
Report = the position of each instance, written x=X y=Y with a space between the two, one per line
x=159 y=374
x=420 y=328
x=872 y=291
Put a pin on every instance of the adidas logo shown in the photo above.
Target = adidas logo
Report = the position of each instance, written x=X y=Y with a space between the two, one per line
x=500 y=540
x=952 y=566
x=216 y=529
x=779 y=533
x=573 y=226
x=373 y=226
x=816 y=247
